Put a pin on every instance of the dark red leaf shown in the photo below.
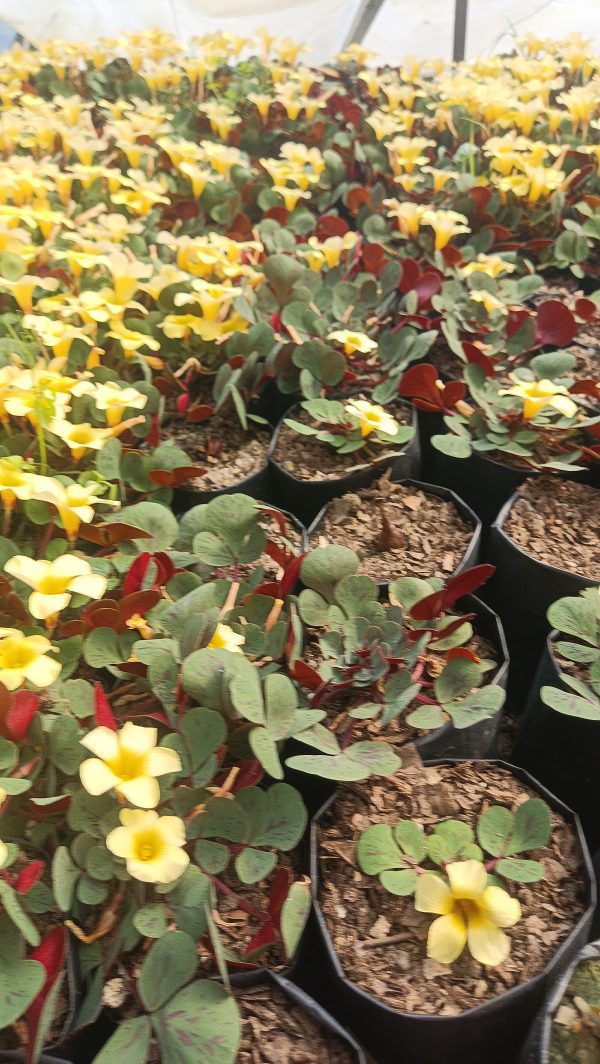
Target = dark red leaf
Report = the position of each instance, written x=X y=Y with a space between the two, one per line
x=410 y=275
x=267 y=936
x=280 y=888
x=200 y=413
x=452 y=256
x=586 y=387
x=153 y=437
x=172 y=478
x=28 y=877
x=305 y=675
x=515 y=320
x=278 y=213
x=139 y=602
x=586 y=309
x=290 y=576
x=109 y=533
x=452 y=393
x=331 y=225
x=182 y=403
x=250 y=775
x=51 y=953
x=428 y=285
x=481 y=196
x=555 y=323
x=461 y=652
x=103 y=714
x=463 y=584
x=135 y=577
x=373 y=258
x=23 y=708
x=476 y=357
x=419 y=383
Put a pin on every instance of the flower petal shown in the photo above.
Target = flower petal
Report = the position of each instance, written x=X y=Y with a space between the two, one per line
x=172 y=830
x=167 y=868
x=446 y=939
x=433 y=895
x=564 y=405
x=487 y=943
x=496 y=905
x=89 y=584
x=70 y=565
x=120 y=842
x=137 y=739
x=467 y=878
x=162 y=760
x=103 y=742
x=42 y=672
x=96 y=777
x=143 y=792
x=43 y=606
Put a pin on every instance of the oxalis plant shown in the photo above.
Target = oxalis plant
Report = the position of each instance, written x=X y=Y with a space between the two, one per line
x=531 y=422
x=460 y=874
x=577 y=616
x=352 y=426
x=405 y=658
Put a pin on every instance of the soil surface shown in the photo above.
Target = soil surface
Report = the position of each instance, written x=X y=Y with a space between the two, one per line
x=397 y=530
x=277 y=1030
x=306 y=458
x=229 y=453
x=381 y=940
x=558 y=522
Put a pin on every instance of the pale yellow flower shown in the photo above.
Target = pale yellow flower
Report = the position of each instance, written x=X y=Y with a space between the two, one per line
x=487 y=300
x=471 y=913
x=224 y=638
x=445 y=225
x=114 y=400
x=54 y=582
x=127 y=761
x=537 y=395
x=408 y=215
x=152 y=846
x=23 y=658
x=371 y=418
x=353 y=341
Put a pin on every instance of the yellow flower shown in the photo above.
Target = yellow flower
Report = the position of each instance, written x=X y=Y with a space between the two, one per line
x=84 y=437
x=471 y=913
x=225 y=638
x=23 y=289
x=290 y=196
x=408 y=215
x=54 y=582
x=492 y=265
x=487 y=299
x=262 y=102
x=440 y=177
x=75 y=503
x=152 y=845
x=406 y=153
x=130 y=340
x=115 y=400
x=23 y=657
x=537 y=395
x=3 y=848
x=129 y=761
x=445 y=225
x=332 y=248
x=353 y=341
x=371 y=418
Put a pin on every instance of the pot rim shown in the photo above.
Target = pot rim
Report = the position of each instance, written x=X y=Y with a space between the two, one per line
x=512 y=993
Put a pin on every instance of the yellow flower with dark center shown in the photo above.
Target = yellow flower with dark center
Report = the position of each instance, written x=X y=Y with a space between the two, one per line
x=127 y=761
x=24 y=658
x=151 y=845
x=471 y=913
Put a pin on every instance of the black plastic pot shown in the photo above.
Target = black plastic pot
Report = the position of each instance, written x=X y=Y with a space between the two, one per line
x=478 y=741
x=256 y=485
x=471 y=555
x=541 y=1053
x=272 y=404
x=306 y=498
x=562 y=752
x=300 y=997
x=491 y=1033
x=521 y=590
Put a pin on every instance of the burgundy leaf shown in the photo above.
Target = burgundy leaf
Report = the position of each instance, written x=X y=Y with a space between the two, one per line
x=555 y=323
x=103 y=714
x=51 y=954
x=28 y=877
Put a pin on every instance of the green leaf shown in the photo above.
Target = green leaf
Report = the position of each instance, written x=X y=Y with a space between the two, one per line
x=201 y=1023
x=213 y=857
x=481 y=704
x=494 y=829
x=401 y=882
x=12 y=786
x=411 y=839
x=265 y=750
x=520 y=870
x=169 y=964
x=151 y=920
x=325 y=566
x=454 y=446
x=278 y=816
x=20 y=982
x=354 y=593
x=12 y=907
x=64 y=749
x=187 y=900
x=571 y=705
x=217 y=945
x=426 y=717
x=130 y=1042
x=12 y=267
x=576 y=615
x=377 y=850
x=253 y=865
x=101 y=648
x=358 y=762
x=204 y=731
x=64 y=877
x=153 y=518
x=532 y=826
x=293 y=917
x=281 y=703
x=457 y=678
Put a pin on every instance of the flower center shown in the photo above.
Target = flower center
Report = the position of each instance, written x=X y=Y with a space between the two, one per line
x=148 y=846
x=53 y=585
x=16 y=654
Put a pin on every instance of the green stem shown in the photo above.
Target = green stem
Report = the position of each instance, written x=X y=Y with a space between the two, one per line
x=42 y=446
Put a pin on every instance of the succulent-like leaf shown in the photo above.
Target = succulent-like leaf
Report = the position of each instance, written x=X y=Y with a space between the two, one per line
x=169 y=964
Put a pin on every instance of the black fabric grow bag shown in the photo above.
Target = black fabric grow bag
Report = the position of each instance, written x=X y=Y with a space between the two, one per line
x=491 y=1033
x=306 y=498
x=471 y=555
x=562 y=752
x=521 y=590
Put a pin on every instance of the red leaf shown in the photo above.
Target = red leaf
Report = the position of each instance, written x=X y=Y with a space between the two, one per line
x=23 y=708
x=28 y=877
x=331 y=225
x=250 y=774
x=200 y=413
x=111 y=532
x=555 y=323
x=267 y=936
x=515 y=320
x=419 y=383
x=356 y=197
x=305 y=675
x=452 y=256
x=280 y=888
x=182 y=403
x=153 y=437
x=103 y=714
x=410 y=275
x=290 y=576
x=135 y=577
x=481 y=196
x=476 y=357
x=588 y=387
x=462 y=652
x=586 y=309
x=464 y=584
x=428 y=285
x=278 y=213
x=172 y=478
x=373 y=258
x=453 y=392
x=140 y=602
x=51 y=953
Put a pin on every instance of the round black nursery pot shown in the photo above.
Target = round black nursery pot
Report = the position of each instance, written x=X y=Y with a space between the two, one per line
x=563 y=752
x=272 y=403
x=257 y=485
x=305 y=498
x=478 y=741
x=521 y=591
x=490 y=1033
x=472 y=553
x=264 y=976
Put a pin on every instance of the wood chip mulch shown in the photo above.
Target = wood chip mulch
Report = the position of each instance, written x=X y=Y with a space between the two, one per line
x=277 y=1030
x=558 y=522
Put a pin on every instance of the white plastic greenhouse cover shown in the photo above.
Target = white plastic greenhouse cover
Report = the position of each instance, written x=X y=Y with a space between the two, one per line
x=423 y=28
